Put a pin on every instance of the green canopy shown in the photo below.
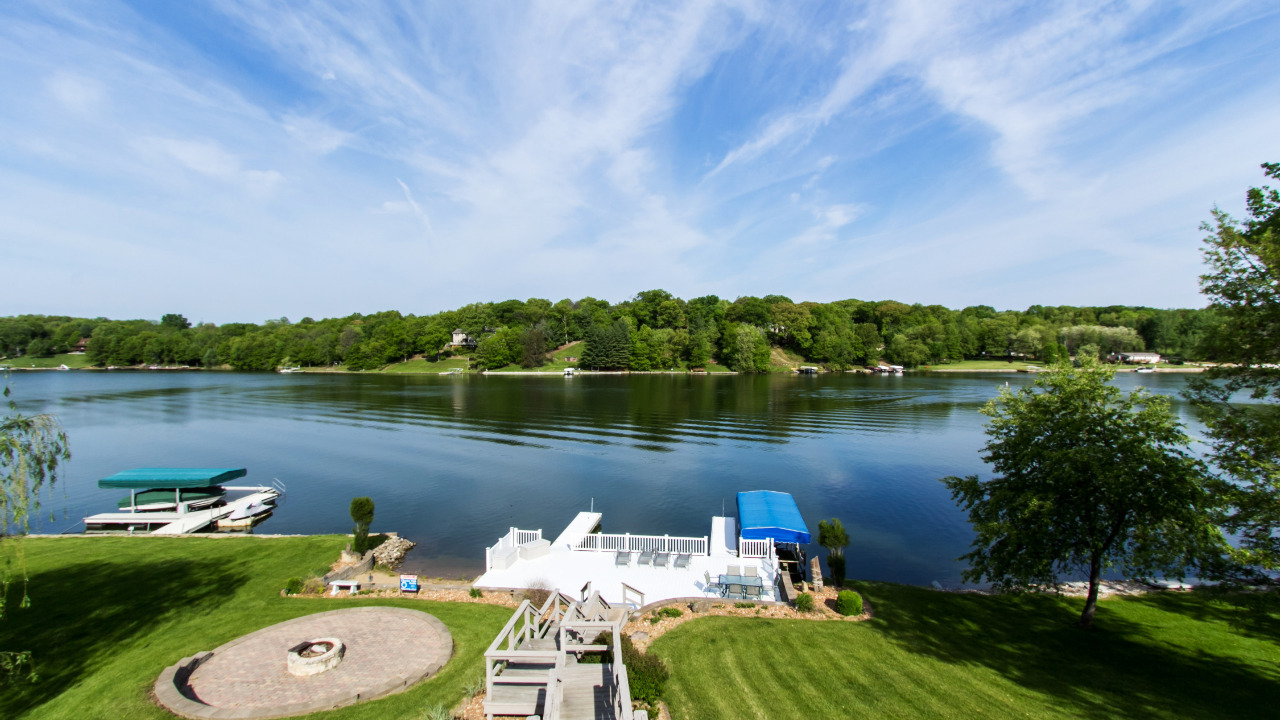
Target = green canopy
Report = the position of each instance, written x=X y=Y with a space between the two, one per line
x=147 y=478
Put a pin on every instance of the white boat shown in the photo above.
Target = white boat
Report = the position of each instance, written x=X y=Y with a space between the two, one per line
x=293 y=369
x=453 y=371
x=1145 y=370
x=568 y=372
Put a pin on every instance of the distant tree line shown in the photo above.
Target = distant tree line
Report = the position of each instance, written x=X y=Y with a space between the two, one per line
x=653 y=330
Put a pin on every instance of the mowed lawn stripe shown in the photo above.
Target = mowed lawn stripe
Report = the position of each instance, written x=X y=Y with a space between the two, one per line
x=943 y=655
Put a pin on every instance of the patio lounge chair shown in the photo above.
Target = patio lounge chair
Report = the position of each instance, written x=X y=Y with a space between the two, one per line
x=646 y=558
x=682 y=561
x=661 y=559
x=621 y=559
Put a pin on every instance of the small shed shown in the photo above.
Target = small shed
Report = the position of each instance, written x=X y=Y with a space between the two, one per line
x=770 y=515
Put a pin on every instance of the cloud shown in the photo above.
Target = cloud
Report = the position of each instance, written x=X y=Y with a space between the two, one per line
x=76 y=93
x=209 y=158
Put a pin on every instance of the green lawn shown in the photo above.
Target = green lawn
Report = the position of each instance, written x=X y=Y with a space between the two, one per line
x=427 y=365
x=943 y=655
x=984 y=365
x=72 y=361
x=108 y=614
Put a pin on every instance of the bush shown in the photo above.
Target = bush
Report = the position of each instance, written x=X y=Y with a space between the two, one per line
x=849 y=602
x=646 y=674
x=313 y=586
x=293 y=586
x=538 y=593
x=744 y=604
x=475 y=593
x=595 y=658
x=804 y=602
x=670 y=612
x=362 y=515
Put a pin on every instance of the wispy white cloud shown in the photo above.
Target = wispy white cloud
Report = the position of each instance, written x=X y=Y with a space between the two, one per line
x=903 y=149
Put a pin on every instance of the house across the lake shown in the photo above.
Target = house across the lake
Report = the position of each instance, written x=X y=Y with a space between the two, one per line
x=462 y=339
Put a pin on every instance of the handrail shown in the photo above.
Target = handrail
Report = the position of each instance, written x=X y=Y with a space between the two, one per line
x=755 y=548
x=626 y=542
x=627 y=588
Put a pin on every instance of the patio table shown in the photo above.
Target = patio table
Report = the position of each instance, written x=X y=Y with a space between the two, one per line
x=726 y=580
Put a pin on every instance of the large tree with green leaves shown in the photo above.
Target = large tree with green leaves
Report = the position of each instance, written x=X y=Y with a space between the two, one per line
x=1240 y=400
x=31 y=449
x=1087 y=479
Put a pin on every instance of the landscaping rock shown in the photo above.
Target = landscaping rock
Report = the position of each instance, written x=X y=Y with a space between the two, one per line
x=640 y=636
x=700 y=606
x=392 y=551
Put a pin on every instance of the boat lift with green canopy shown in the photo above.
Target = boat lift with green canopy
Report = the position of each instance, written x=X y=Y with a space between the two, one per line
x=175 y=479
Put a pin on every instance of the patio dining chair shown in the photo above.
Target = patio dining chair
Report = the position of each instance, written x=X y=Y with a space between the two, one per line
x=709 y=585
x=749 y=571
x=661 y=559
x=646 y=558
x=621 y=559
x=754 y=592
x=734 y=570
x=734 y=590
x=682 y=561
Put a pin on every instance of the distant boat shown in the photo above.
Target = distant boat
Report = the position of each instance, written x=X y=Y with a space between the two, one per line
x=452 y=371
x=1145 y=370
x=63 y=367
x=293 y=369
x=568 y=372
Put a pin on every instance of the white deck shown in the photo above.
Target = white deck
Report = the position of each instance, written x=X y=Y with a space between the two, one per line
x=569 y=570
x=177 y=523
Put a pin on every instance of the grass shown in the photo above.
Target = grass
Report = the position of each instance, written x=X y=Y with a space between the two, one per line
x=984 y=365
x=425 y=365
x=945 y=655
x=108 y=614
x=80 y=360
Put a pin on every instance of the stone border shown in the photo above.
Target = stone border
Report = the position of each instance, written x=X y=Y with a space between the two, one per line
x=174 y=694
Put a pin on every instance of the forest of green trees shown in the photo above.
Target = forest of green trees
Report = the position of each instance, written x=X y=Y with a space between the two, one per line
x=654 y=330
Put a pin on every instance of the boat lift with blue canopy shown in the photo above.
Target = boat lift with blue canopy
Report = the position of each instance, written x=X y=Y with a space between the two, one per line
x=148 y=478
x=769 y=515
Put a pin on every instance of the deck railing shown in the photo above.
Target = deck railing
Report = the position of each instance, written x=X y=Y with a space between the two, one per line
x=756 y=549
x=514 y=538
x=602 y=542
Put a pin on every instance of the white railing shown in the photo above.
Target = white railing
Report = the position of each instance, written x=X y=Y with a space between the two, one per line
x=601 y=542
x=755 y=548
x=514 y=538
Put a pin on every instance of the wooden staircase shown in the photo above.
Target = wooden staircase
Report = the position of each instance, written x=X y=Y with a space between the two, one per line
x=533 y=668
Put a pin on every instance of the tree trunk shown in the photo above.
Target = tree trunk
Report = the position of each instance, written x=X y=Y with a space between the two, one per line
x=1091 y=603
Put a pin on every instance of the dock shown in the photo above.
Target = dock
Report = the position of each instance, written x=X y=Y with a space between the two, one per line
x=581 y=559
x=180 y=517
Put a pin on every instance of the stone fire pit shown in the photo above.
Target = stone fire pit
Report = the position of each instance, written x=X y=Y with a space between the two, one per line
x=357 y=654
x=315 y=656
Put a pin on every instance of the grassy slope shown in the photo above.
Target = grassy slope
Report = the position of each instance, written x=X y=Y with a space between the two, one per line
x=71 y=361
x=1014 y=366
x=426 y=365
x=108 y=614
x=931 y=654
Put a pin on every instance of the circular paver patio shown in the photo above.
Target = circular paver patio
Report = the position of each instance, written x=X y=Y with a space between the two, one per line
x=387 y=650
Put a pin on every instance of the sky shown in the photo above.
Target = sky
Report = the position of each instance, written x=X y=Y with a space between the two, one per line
x=239 y=160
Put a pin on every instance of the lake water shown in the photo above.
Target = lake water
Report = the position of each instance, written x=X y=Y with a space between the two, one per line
x=452 y=462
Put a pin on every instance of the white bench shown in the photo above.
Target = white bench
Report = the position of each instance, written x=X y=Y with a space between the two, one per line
x=351 y=586
x=504 y=558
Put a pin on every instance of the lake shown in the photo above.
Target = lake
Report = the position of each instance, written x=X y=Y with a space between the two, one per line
x=452 y=462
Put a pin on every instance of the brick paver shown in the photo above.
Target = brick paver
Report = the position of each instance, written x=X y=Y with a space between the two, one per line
x=382 y=645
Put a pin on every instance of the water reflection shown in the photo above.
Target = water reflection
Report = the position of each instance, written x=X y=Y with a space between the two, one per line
x=452 y=462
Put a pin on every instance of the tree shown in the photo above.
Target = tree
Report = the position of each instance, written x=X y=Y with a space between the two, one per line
x=362 y=516
x=1243 y=285
x=832 y=536
x=1086 y=479
x=31 y=449
x=174 y=321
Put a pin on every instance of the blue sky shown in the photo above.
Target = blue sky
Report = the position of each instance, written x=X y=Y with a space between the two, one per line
x=236 y=160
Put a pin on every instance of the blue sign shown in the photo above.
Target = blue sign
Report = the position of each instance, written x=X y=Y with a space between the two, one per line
x=409 y=583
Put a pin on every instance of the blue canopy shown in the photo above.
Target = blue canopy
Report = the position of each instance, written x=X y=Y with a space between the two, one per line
x=148 y=478
x=765 y=514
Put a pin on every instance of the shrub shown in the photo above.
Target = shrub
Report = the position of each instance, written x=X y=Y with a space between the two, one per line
x=538 y=593
x=646 y=674
x=804 y=602
x=670 y=612
x=293 y=586
x=475 y=593
x=595 y=658
x=313 y=586
x=849 y=602
x=362 y=515
x=744 y=604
